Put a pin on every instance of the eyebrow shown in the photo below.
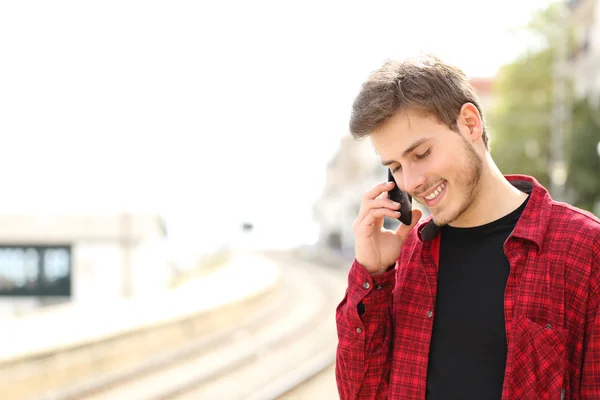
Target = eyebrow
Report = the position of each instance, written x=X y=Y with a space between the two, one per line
x=407 y=151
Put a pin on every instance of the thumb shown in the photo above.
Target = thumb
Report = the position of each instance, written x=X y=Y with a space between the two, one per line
x=403 y=230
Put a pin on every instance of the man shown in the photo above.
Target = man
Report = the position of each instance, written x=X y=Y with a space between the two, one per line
x=496 y=294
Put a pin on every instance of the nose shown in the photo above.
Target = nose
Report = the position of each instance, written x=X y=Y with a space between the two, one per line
x=413 y=180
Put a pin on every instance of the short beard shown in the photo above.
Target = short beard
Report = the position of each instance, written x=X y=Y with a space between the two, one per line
x=467 y=180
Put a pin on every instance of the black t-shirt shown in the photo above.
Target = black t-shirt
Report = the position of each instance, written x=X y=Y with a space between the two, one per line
x=468 y=346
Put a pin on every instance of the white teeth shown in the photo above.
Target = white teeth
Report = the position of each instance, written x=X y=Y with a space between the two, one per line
x=436 y=192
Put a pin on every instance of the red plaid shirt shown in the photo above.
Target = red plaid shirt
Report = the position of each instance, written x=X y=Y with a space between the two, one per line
x=551 y=310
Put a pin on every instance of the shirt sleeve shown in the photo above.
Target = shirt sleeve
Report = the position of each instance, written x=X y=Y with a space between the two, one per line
x=590 y=377
x=364 y=327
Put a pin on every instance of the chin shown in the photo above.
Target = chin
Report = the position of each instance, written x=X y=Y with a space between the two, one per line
x=445 y=217
x=441 y=218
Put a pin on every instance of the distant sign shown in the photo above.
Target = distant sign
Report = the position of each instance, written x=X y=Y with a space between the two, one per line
x=35 y=270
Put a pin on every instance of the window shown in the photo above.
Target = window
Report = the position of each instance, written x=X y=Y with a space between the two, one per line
x=35 y=270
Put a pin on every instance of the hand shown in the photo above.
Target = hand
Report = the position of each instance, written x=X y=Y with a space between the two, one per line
x=376 y=248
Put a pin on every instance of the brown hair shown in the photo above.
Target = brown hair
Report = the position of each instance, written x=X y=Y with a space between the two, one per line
x=423 y=84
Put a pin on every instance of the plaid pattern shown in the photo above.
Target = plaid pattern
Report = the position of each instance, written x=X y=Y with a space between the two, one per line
x=551 y=310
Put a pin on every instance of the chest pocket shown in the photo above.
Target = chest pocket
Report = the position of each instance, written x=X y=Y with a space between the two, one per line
x=538 y=340
x=539 y=360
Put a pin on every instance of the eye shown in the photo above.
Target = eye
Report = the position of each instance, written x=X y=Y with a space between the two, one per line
x=423 y=155
x=396 y=169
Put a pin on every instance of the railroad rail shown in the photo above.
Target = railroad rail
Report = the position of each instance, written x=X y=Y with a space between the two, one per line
x=281 y=342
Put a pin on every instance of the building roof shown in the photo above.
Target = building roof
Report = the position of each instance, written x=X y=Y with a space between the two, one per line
x=483 y=85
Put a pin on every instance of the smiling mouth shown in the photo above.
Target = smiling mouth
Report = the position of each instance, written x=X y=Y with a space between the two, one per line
x=436 y=192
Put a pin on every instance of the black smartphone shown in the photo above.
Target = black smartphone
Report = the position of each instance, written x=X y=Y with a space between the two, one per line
x=403 y=198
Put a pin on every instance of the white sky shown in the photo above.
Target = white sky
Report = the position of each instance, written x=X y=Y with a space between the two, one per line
x=207 y=111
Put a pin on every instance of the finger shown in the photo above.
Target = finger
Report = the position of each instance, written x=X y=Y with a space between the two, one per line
x=378 y=190
x=369 y=205
x=403 y=230
x=377 y=214
x=383 y=195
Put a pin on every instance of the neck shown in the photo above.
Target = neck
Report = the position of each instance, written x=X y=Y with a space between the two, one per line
x=494 y=198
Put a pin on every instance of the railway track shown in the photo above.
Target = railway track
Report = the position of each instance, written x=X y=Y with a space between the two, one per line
x=288 y=339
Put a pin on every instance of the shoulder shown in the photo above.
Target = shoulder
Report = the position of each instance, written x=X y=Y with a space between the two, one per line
x=577 y=232
x=570 y=221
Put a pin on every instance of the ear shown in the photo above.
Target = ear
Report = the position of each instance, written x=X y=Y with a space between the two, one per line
x=469 y=122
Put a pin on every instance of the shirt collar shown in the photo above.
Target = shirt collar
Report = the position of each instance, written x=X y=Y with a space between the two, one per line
x=533 y=222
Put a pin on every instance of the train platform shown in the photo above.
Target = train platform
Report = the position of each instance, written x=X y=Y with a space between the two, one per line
x=57 y=328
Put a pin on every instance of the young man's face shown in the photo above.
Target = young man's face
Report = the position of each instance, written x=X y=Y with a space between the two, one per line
x=437 y=166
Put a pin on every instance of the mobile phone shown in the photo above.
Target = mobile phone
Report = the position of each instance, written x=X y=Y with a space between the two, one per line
x=403 y=198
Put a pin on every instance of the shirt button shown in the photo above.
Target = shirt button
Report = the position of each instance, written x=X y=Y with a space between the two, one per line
x=379 y=286
x=548 y=326
x=358 y=330
x=366 y=285
x=429 y=314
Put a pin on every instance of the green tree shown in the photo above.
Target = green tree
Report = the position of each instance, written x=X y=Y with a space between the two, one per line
x=582 y=155
x=520 y=123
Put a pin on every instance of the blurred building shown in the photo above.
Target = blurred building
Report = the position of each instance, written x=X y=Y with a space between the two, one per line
x=354 y=169
x=46 y=259
x=584 y=17
x=484 y=86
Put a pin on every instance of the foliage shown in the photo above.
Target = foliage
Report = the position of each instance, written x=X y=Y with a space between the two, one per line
x=520 y=122
x=582 y=155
